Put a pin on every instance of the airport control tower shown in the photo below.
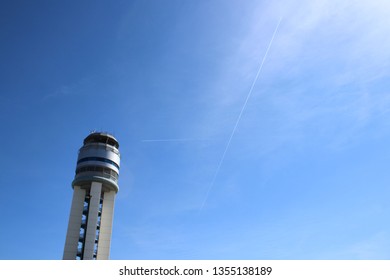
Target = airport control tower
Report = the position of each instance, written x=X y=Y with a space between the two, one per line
x=94 y=188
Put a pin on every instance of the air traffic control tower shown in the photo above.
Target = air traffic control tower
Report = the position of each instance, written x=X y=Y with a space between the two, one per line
x=94 y=188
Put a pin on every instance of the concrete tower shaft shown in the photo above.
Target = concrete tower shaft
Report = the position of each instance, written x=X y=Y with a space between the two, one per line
x=94 y=189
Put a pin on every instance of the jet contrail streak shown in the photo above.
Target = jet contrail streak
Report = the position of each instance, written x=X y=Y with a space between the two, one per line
x=239 y=116
x=169 y=140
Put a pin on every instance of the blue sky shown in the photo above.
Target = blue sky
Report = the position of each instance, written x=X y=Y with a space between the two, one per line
x=305 y=175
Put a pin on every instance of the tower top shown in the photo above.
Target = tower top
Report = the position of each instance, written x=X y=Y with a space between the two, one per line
x=98 y=161
x=101 y=137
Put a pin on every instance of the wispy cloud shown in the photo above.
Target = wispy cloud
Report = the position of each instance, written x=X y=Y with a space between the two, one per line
x=77 y=88
x=324 y=82
x=375 y=246
x=328 y=66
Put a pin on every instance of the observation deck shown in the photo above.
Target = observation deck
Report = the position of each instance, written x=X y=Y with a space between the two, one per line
x=98 y=161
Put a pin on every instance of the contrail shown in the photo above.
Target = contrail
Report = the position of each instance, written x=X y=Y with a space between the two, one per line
x=171 y=140
x=239 y=116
